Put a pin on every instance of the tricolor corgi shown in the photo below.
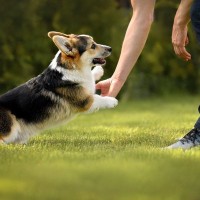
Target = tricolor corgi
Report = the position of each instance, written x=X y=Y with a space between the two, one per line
x=65 y=89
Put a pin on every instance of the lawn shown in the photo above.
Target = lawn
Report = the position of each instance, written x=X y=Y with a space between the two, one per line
x=110 y=155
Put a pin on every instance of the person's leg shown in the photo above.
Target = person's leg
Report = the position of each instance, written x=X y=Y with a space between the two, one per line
x=192 y=138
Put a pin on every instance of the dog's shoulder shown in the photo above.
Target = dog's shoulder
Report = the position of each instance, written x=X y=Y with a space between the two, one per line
x=51 y=79
x=68 y=86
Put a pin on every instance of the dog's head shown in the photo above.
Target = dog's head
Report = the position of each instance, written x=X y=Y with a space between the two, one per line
x=81 y=50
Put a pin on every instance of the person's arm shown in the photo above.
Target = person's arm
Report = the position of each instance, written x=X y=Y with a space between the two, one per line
x=134 y=41
x=179 y=32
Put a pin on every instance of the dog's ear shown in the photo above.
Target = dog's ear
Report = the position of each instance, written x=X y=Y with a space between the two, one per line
x=62 y=41
x=53 y=33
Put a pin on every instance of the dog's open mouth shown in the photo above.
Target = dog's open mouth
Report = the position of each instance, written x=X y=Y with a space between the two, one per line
x=100 y=61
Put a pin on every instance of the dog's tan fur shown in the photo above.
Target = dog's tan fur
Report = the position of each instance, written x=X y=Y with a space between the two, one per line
x=80 y=100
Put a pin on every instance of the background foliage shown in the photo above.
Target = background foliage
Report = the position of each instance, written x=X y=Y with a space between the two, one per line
x=25 y=49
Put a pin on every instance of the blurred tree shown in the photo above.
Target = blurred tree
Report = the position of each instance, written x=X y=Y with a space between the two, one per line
x=124 y=3
x=25 y=49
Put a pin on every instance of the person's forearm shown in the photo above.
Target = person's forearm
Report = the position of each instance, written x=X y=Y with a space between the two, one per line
x=135 y=38
x=180 y=30
x=182 y=16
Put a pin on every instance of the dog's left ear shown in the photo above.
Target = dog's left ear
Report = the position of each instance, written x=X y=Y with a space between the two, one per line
x=62 y=41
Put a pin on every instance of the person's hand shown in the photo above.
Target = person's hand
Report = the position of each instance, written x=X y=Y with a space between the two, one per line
x=109 y=87
x=179 y=41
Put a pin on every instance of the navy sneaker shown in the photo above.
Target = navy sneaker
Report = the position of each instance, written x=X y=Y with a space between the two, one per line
x=190 y=140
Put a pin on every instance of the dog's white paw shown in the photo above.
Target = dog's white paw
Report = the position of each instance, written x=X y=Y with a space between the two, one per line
x=111 y=102
x=102 y=103
x=98 y=72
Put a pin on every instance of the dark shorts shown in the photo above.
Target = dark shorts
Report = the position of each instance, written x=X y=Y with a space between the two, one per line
x=195 y=17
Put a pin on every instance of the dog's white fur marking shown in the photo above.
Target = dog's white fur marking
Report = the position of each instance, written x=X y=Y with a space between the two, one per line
x=53 y=64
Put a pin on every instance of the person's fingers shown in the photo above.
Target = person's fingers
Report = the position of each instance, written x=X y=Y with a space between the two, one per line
x=182 y=52
x=103 y=86
x=98 y=86
x=109 y=87
x=185 y=54
x=177 y=51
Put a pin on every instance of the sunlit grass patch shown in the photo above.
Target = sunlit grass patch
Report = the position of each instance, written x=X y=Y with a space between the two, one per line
x=113 y=154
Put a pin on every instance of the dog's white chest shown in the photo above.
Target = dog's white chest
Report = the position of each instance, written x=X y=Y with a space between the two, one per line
x=89 y=84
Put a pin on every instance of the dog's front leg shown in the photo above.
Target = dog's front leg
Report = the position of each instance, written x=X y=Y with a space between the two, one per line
x=97 y=72
x=101 y=102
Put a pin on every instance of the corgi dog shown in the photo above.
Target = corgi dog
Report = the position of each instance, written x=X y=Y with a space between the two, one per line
x=65 y=89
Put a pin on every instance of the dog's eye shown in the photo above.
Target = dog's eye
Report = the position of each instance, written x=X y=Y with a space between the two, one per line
x=93 y=46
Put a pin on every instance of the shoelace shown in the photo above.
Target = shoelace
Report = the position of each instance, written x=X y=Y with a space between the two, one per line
x=193 y=136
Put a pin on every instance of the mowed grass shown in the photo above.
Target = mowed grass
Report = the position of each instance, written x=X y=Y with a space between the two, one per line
x=110 y=155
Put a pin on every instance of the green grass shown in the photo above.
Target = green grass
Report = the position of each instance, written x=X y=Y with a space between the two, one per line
x=110 y=155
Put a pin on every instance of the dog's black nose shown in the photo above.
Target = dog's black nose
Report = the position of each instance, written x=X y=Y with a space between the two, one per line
x=109 y=49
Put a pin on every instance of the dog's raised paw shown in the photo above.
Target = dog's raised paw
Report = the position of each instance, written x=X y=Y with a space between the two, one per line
x=98 y=72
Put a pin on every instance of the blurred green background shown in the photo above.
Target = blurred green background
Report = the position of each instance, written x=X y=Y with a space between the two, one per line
x=114 y=154
x=25 y=49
